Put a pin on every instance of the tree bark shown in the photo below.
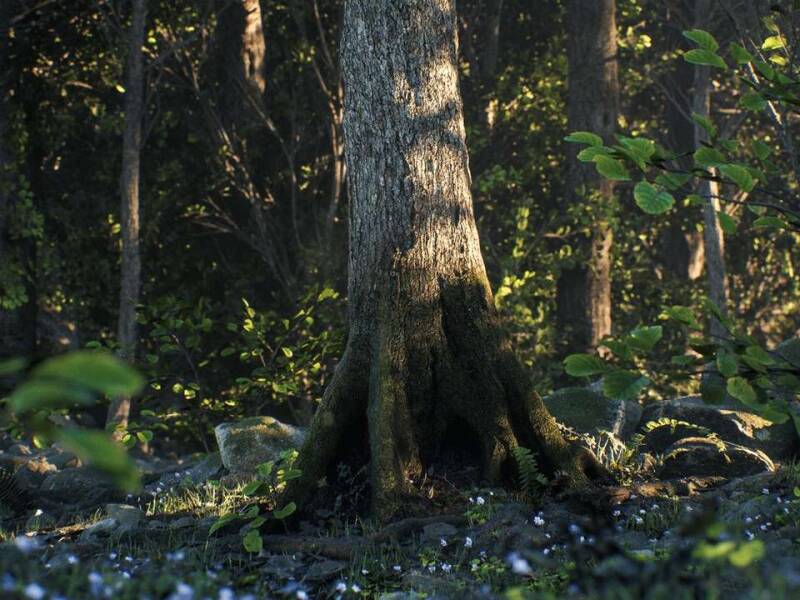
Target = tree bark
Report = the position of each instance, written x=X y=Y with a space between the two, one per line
x=240 y=35
x=426 y=356
x=130 y=287
x=712 y=230
x=584 y=290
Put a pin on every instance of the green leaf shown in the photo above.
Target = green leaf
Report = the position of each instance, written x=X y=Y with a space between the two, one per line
x=672 y=181
x=264 y=470
x=252 y=541
x=590 y=153
x=38 y=394
x=645 y=338
x=726 y=363
x=584 y=365
x=286 y=511
x=764 y=222
x=753 y=101
x=144 y=436
x=761 y=150
x=758 y=354
x=12 y=366
x=773 y=42
x=584 y=137
x=702 y=38
x=98 y=371
x=682 y=314
x=740 y=55
x=708 y=157
x=740 y=388
x=222 y=521
x=703 y=57
x=747 y=553
x=739 y=175
x=706 y=124
x=727 y=222
x=618 y=348
x=253 y=488
x=611 y=168
x=652 y=200
x=98 y=449
x=623 y=385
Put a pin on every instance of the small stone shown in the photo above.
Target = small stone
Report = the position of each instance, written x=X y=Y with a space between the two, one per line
x=126 y=515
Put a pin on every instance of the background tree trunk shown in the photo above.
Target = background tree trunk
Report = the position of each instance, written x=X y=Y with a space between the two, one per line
x=240 y=36
x=584 y=291
x=712 y=230
x=426 y=358
x=130 y=287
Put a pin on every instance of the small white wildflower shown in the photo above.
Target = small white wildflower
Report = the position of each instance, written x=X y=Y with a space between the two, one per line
x=547 y=536
x=574 y=529
x=617 y=513
x=341 y=587
x=546 y=551
x=301 y=595
x=447 y=567
x=397 y=568
x=642 y=511
x=432 y=568
x=27 y=544
x=126 y=575
x=765 y=491
x=226 y=593
x=355 y=588
x=34 y=591
x=467 y=542
x=748 y=520
x=480 y=501
x=443 y=542
x=112 y=556
x=519 y=565
x=749 y=535
x=654 y=507
x=538 y=521
x=72 y=559
x=364 y=572
x=632 y=497
x=763 y=527
x=689 y=509
x=639 y=520
x=39 y=512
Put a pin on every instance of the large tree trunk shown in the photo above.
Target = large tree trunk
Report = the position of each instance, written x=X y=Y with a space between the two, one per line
x=130 y=286
x=712 y=230
x=584 y=290
x=426 y=356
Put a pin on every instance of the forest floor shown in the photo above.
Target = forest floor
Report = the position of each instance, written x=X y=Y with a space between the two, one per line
x=685 y=539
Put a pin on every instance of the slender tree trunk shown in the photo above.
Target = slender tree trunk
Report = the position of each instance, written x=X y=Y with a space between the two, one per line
x=584 y=290
x=426 y=357
x=240 y=35
x=712 y=231
x=119 y=410
x=491 y=51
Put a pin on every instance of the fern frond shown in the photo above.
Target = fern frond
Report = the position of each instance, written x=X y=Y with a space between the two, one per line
x=530 y=479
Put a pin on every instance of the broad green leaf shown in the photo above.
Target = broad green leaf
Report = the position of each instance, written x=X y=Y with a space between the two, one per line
x=703 y=57
x=264 y=470
x=651 y=199
x=740 y=388
x=97 y=371
x=761 y=150
x=623 y=385
x=739 y=175
x=695 y=200
x=253 y=488
x=764 y=222
x=252 y=541
x=584 y=137
x=753 y=101
x=144 y=436
x=747 y=553
x=682 y=314
x=672 y=181
x=709 y=551
x=588 y=154
x=758 y=354
x=708 y=157
x=702 y=38
x=286 y=511
x=740 y=55
x=726 y=364
x=618 y=348
x=727 y=222
x=12 y=366
x=645 y=338
x=706 y=124
x=611 y=168
x=38 y=394
x=99 y=450
x=584 y=365
x=773 y=42
x=222 y=521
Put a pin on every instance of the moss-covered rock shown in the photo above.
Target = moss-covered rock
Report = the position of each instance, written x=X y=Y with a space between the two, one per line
x=587 y=411
x=699 y=456
x=245 y=444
